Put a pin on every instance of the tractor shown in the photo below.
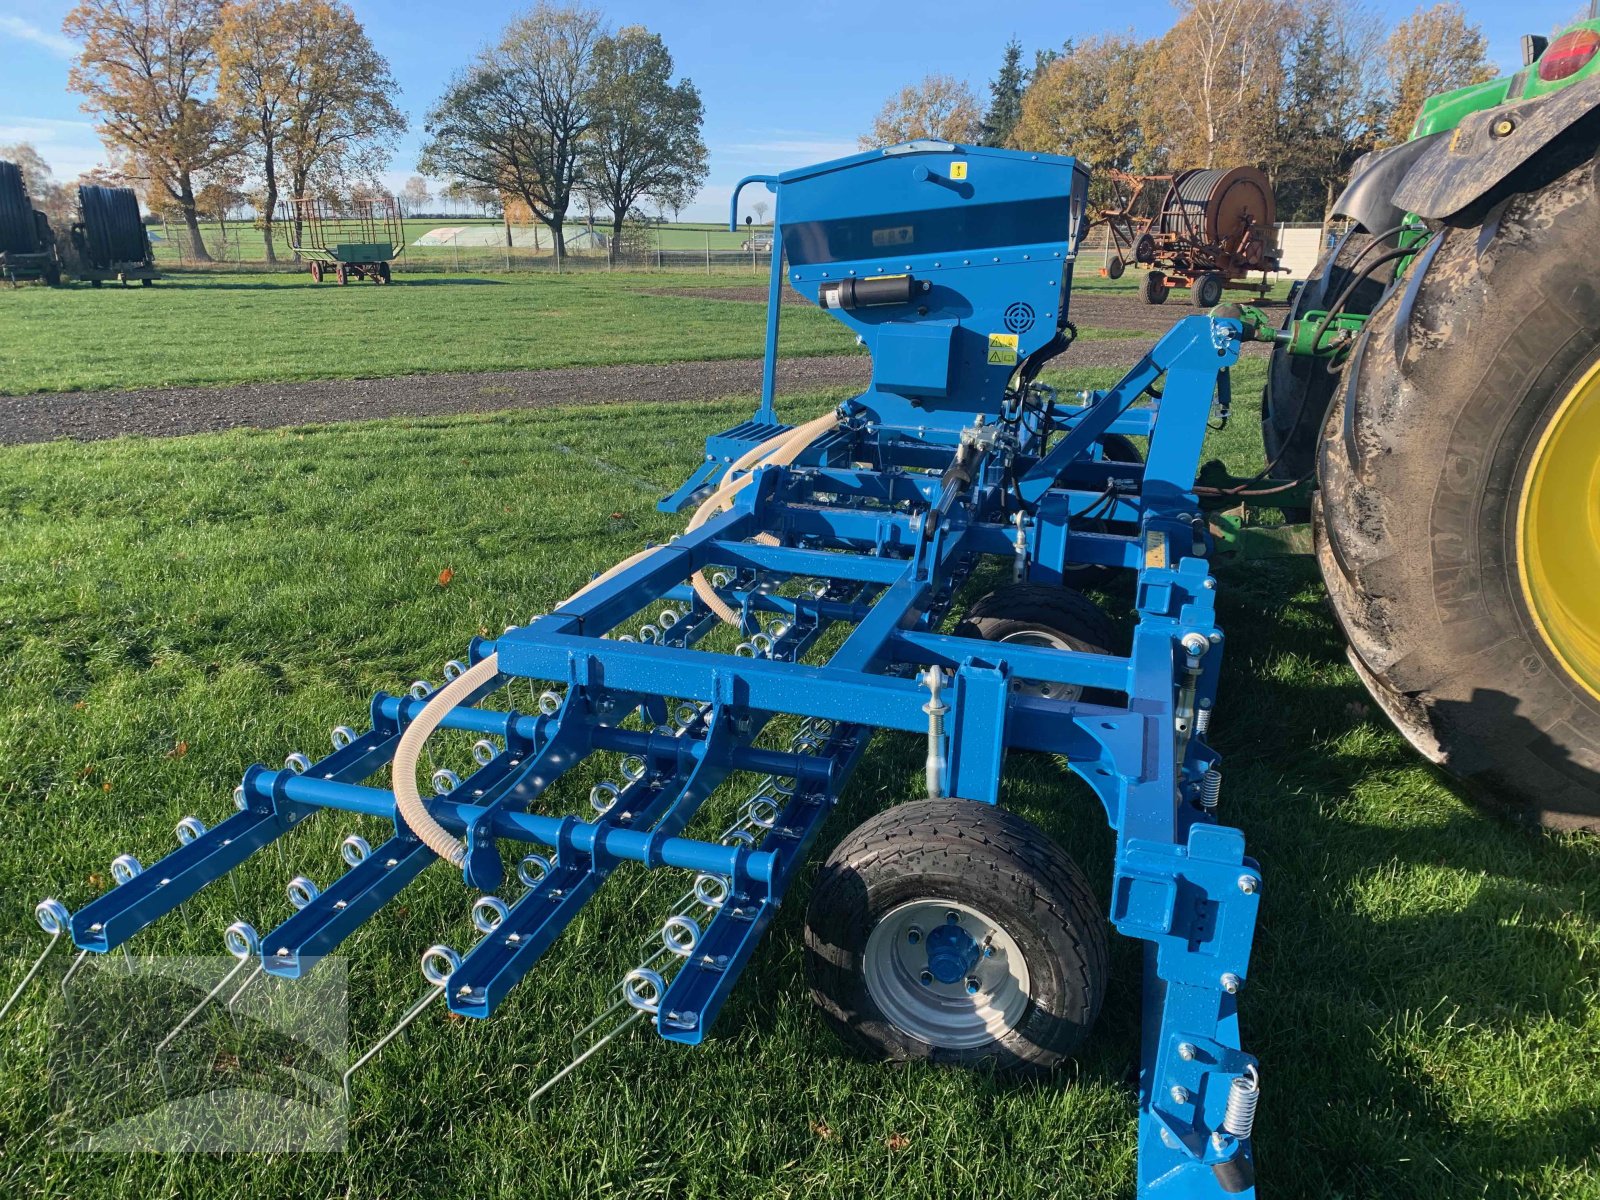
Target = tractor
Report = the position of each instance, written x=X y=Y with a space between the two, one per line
x=1438 y=377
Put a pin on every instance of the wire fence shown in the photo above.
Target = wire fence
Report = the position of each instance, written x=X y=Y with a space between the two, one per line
x=488 y=248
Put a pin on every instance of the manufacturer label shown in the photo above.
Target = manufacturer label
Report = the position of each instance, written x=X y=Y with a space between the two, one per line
x=1002 y=349
x=1155 y=549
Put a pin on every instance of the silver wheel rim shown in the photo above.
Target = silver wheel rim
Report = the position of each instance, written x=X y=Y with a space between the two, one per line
x=1032 y=687
x=945 y=1012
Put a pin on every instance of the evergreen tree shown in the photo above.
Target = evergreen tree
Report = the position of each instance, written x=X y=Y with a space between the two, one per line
x=1005 y=97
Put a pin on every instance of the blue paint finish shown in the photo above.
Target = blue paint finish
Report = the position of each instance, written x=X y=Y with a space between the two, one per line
x=953 y=265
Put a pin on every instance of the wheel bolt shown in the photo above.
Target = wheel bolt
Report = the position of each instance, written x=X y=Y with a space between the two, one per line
x=972 y=985
x=953 y=918
x=913 y=935
x=927 y=979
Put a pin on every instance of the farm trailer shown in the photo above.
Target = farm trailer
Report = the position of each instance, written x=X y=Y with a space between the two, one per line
x=350 y=239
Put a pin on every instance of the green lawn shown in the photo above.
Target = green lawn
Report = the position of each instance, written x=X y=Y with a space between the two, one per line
x=1423 y=994
x=216 y=329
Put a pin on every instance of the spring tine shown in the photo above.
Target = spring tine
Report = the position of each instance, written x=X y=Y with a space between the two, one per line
x=244 y=945
x=439 y=979
x=66 y=992
x=593 y=1049
x=52 y=918
x=251 y=978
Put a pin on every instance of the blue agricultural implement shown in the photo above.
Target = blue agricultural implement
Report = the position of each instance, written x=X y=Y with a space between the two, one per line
x=804 y=609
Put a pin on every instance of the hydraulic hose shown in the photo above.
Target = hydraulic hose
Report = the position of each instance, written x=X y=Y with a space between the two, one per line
x=780 y=451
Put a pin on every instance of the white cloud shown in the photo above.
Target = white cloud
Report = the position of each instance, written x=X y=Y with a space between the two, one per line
x=70 y=147
x=27 y=31
x=792 y=151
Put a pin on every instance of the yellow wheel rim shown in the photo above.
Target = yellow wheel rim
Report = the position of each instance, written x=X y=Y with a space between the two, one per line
x=1559 y=533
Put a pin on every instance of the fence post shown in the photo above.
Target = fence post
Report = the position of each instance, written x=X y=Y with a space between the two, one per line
x=708 y=252
x=455 y=252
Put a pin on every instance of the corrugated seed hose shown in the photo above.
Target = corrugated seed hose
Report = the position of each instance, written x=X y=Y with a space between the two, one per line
x=778 y=451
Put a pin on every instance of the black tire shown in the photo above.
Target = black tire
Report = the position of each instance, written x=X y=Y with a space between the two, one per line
x=1299 y=389
x=1115 y=267
x=1422 y=467
x=1153 y=287
x=1206 y=291
x=1144 y=250
x=1041 y=614
x=958 y=852
x=147 y=283
x=383 y=272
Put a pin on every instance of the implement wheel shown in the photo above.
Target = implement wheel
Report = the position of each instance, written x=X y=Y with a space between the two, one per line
x=316 y=271
x=341 y=274
x=1031 y=614
x=1458 y=523
x=1153 y=287
x=1206 y=291
x=955 y=932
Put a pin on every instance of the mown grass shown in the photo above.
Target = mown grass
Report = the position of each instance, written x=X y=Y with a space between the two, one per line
x=1423 y=993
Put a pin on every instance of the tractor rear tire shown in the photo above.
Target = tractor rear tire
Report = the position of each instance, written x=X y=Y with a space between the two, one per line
x=903 y=875
x=1299 y=389
x=1153 y=287
x=1422 y=524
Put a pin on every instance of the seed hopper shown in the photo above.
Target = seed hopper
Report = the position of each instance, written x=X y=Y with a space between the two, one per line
x=810 y=593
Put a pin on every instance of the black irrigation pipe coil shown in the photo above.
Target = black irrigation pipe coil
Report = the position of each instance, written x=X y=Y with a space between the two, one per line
x=113 y=232
x=19 y=231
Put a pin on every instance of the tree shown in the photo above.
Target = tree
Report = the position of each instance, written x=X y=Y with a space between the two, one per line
x=414 y=196
x=644 y=132
x=1085 y=103
x=147 y=72
x=1005 y=97
x=257 y=69
x=1215 y=83
x=939 y=107
x=514 y=121
x=1433 y=50
x=342 y=121
x=759 y=208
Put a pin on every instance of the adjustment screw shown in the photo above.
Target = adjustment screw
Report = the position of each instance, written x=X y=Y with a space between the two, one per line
x=1231 y=983
x=927 y=979
x=1186 y=1051
x=1248 y=884
x=1180 y=1094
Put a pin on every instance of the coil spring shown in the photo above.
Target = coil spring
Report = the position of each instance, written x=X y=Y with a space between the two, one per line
x=1244 y=1092
x=1202 y=718
x=1211 y=790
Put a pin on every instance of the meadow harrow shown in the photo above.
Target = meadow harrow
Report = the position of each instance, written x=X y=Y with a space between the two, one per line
x=946 y=929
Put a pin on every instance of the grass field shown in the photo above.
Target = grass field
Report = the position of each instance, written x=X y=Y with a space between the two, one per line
x=1423 y=993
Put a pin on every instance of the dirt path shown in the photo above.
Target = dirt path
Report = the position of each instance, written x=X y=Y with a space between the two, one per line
x=171 y=412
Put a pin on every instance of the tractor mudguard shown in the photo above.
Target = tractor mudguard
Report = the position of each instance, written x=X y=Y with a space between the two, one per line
x=1369 y=198
x=1487 y=147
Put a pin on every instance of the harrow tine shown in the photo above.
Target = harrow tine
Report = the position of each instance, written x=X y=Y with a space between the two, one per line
x=52 y=918
x=438 y=978
x=243 y=944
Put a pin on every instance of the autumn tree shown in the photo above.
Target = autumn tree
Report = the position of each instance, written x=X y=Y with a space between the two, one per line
x=1215 y=81
x=644 y=130
x=1433 y=50
x=147 y=73
x=939 y=107
x=415 y=196
x=1005 y=97
x=513 y=123
x=1086 y=103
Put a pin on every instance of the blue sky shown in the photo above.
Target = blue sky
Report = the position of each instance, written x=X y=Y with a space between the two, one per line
x=777 y=94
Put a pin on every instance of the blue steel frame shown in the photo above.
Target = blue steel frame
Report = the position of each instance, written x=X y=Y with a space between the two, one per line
x=952 y=456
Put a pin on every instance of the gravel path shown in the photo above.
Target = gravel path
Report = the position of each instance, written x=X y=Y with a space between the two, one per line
x=170 y=412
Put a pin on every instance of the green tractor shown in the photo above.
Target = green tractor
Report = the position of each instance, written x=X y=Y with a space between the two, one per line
x=1439 y=378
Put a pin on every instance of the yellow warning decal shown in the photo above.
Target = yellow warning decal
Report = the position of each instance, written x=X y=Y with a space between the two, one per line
x=958 y=170
x=1155 y=549
x=1002 y=349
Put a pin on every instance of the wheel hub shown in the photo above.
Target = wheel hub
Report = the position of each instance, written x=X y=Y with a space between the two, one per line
x=1559 y=533
x=946 y=974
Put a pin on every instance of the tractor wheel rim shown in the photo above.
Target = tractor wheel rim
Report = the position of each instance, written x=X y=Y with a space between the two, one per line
x=1034 y=687
x=1558 y=526
x=980 y=991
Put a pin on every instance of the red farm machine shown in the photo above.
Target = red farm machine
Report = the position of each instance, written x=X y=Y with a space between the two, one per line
x=1212 y=229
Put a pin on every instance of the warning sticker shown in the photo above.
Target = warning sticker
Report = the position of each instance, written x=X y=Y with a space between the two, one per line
x=1002 y=349
x=958 y=170
x=1155 y=549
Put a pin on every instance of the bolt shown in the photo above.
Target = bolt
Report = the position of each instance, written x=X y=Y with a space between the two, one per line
x=953 y=918
x=1231 y=983
x=927 y=979
x=1248 y=884
x=1186 y=1051
x=1503 y=127
x=1219 y=1141
x=1167 y=1138
x=283 y=952
x=1196 y=644
x=972 y=985
x=913 y=935
x=1180 y=1094
x=1210 y=584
